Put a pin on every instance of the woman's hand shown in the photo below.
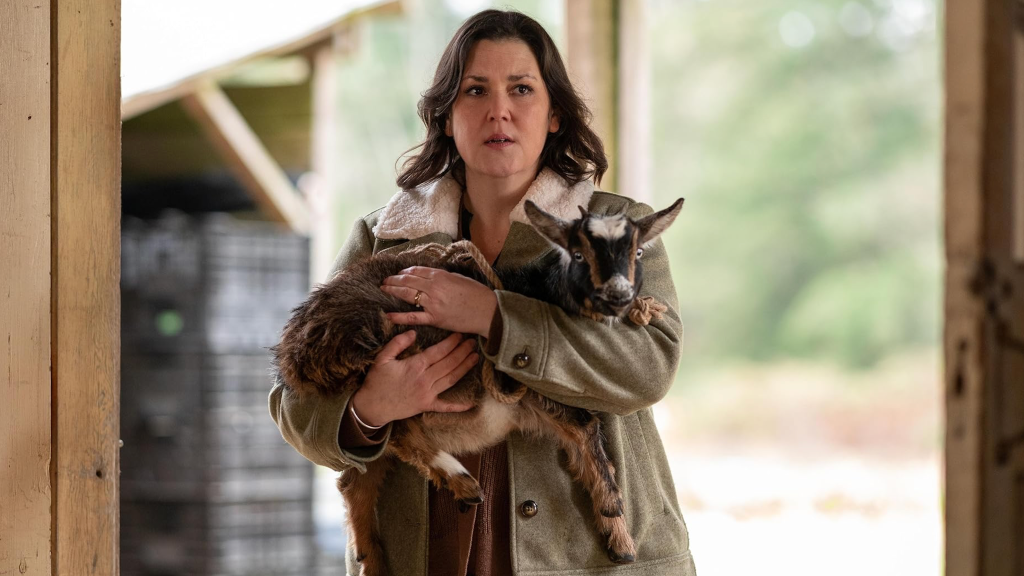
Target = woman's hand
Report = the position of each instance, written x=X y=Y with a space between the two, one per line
x=396 y=389
x=450 y=301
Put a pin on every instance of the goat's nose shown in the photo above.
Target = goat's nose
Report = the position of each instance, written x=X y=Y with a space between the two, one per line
x=618 y=284
x=618 y=291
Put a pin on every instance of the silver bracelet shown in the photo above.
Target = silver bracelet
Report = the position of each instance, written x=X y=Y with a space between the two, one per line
x=360 y=420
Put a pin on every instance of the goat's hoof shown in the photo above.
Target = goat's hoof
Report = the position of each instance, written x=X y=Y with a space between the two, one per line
x=466 y=504
x=625 y=558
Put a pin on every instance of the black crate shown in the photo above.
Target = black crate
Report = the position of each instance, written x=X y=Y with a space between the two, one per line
x=241 y=539
x=208 y=486
x=209 y=284
x=198 y=427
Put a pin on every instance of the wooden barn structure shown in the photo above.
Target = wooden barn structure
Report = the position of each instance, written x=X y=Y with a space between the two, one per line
x=60 y=209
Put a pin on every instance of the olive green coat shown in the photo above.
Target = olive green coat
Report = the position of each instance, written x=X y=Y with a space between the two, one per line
x=619 y=370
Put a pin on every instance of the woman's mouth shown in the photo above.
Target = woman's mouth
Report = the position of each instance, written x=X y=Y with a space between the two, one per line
x=499 y=141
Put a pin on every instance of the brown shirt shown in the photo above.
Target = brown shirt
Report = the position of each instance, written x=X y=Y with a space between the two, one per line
x=471 y=543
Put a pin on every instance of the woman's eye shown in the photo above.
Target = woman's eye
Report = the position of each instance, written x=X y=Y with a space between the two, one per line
x=523 y=89
x=474 y=90
x=639 y=252
x=578 y=256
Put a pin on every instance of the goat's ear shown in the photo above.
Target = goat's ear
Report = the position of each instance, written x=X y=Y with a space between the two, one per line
x=652 y=226
x=583 y=212
x=551 y=227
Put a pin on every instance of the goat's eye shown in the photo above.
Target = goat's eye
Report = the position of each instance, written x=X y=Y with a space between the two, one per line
x=578 y=256
x=639 y=252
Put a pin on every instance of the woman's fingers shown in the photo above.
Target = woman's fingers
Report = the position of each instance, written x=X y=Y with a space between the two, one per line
x=446 y=382
x=450 y=363
x=404 y=293
x=395 y=346
x=431 y=355
x=408 y=281
x=412 y=318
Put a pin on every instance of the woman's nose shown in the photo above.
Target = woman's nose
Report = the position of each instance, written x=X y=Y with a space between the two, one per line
x=499 y=109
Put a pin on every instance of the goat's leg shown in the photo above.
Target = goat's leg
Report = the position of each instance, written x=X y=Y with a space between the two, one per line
x=440 y=467
x=579 y=434
x=361 y=492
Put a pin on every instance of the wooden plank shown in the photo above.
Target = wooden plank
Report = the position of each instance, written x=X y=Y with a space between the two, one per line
x=964 y=173
x=592 y=62
x=1018 y=168
x=25 y=491
x=247 y=157
x=323 y=191
x=86 y=207
x=633 y=104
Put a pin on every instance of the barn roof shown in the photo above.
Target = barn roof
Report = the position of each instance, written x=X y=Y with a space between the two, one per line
x=167 y=45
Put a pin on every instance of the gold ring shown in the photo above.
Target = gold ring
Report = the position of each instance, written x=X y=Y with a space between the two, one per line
x=416 y=300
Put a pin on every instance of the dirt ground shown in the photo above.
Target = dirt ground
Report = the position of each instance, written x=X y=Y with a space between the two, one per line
x=799 y=469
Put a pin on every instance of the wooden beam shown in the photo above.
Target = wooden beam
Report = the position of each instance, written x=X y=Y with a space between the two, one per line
x=634 y=102
x=247 y=157
x=86 y=305
x=964 y=338
x=609 y=62
x=25 y=426
x=323 y=193
x=1018 y=169
x=591 y=55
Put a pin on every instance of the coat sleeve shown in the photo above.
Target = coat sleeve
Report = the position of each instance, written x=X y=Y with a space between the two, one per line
x=311 y=424
x=619 y=368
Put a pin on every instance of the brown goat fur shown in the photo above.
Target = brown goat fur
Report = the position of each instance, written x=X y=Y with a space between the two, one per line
x=331 y=340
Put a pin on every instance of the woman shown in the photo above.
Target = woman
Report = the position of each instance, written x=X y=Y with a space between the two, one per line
x=504 y=125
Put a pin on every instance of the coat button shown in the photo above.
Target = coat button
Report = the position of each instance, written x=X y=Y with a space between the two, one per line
x=529 y=508
x=521 y=360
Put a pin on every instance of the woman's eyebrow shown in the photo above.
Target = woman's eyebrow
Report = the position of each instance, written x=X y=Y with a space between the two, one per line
x=511 y=77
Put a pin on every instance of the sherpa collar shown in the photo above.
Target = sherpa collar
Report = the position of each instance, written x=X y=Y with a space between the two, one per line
x=435 y=207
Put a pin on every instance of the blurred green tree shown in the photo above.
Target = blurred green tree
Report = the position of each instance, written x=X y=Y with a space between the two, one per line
x=805 y=136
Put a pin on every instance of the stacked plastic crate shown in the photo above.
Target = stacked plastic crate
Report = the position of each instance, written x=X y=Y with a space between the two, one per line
x=208 y=487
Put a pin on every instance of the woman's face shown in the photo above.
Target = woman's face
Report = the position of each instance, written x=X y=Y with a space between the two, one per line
x=502 y=114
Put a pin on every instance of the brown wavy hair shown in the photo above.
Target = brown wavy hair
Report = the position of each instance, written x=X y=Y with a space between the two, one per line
x=574 y=152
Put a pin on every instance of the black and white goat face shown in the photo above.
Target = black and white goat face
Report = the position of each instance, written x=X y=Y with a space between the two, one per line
x=602 y=254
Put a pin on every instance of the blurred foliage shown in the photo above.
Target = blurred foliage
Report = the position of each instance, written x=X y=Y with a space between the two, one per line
x=805 y=136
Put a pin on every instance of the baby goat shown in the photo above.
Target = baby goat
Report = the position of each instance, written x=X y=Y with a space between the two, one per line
x=331 y=340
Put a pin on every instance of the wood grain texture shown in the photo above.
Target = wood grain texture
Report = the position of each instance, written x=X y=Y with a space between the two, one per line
x=591 y=56
x=1018 y=144
x=25 y=493
x=964 y=314
x=86 y=304
x=323 y=197
x=634 y=102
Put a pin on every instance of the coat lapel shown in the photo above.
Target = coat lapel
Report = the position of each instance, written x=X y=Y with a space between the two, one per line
x=434 y=208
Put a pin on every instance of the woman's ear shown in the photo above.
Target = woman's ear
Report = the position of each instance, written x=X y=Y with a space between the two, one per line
x=553 y=123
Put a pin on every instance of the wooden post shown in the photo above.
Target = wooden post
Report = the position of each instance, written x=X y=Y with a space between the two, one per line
x=984 y=336
x=1018 y=144
x=964 y=314
x=609 y=62
x=25 y=434
x=323 y=204
x=634 y=103
x=591 y=55
x=59 y=298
